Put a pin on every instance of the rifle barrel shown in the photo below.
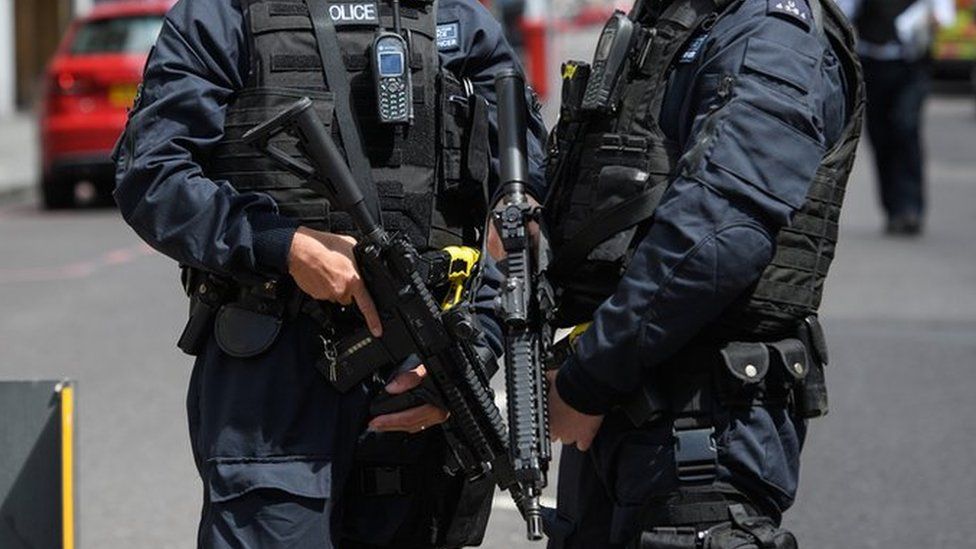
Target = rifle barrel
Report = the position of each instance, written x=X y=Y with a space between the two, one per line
x=512 y=108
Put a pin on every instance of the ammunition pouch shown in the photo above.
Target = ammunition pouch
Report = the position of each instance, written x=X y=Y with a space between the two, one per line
x=708 y=379
x=465 y=155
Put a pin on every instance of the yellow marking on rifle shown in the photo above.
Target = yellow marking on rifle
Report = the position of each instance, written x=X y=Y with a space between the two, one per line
x=569 y=71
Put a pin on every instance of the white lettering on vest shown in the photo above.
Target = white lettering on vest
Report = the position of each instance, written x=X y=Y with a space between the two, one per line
x=354 y=14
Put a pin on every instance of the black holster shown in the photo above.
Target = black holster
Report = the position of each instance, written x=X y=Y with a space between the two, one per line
x=403 y=479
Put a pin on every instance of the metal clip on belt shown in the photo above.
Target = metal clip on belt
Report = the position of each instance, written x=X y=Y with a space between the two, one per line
x=695 y=453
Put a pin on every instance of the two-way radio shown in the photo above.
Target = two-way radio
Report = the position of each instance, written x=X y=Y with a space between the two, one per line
x=391 y=74
x=608 y=63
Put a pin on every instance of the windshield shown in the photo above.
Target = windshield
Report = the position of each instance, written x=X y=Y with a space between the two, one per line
x=118 y=35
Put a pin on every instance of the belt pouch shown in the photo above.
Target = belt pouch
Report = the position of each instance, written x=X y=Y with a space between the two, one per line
x=243 y=333
x=790 y=365
x=745 y=365
x=811 y=394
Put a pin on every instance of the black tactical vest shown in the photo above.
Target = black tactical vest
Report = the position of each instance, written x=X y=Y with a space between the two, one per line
x=876 y=20
x=602 y=204
x=431 y=180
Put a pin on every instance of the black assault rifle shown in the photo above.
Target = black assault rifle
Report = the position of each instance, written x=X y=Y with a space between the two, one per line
x=525 y=302
x=413 y=323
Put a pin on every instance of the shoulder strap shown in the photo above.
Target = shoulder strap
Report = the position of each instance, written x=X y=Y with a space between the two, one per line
x=331 y=57
x=605 y=224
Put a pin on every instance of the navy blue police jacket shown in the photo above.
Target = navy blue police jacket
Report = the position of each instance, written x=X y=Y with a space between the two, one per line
x=271 y=420
x=749 y=161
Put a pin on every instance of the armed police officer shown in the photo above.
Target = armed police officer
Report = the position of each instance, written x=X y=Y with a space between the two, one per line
x=696 y=180
x=285 y=367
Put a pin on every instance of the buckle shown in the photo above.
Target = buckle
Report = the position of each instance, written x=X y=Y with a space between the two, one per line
x=696 y=455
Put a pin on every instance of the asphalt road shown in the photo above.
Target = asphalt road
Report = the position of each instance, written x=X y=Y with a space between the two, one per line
x=892 y=466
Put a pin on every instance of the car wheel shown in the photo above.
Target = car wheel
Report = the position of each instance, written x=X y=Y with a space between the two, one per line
x=58 y=193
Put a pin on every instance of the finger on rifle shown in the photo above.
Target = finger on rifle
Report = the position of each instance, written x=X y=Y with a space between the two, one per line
x=406 y=381
x=496 y=249
x=413 y=420
x=368 y=308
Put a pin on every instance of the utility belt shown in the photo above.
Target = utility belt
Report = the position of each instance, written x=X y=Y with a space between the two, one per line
x=714 y=517
x=732 y=525
x=245 y=319
x=696 y=391
x=699 y=389
x=784 y=373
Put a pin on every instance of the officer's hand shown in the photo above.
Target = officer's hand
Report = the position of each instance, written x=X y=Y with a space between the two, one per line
x=496 y=248
x=324 y=267
x=413 y=420
x=566 y=424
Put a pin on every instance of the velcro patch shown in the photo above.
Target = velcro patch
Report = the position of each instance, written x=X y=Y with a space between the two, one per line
x=345 y=14
x=694 y=47
x=796 y=11
x=449 y=36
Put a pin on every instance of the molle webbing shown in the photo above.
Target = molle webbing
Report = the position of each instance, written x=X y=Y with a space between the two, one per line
x=656 y=53
x=285 y=66
x=792 y=285
x=600 y=210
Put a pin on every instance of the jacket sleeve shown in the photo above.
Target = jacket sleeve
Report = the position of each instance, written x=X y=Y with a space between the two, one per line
x=753 y=140
x=482 y=53
x=163 y=190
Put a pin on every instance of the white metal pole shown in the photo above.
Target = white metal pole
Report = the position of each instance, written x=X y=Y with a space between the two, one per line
x=8 y=59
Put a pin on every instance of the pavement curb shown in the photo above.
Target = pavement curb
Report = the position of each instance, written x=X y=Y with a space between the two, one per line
x=15 y=193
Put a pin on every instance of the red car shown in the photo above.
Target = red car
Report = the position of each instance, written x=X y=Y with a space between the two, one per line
x=90 y=84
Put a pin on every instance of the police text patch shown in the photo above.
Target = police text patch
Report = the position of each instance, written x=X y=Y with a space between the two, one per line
x=448 y=36
x=692 y=52
x=354 y=13
x=796 y=11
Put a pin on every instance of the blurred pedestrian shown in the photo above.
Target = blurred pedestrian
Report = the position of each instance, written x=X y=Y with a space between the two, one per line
x=895 y=41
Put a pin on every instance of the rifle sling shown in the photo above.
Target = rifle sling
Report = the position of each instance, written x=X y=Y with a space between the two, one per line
x=338 y=82
x=605 y=224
